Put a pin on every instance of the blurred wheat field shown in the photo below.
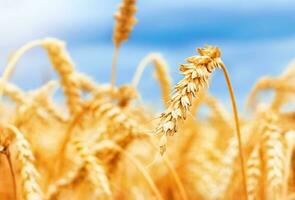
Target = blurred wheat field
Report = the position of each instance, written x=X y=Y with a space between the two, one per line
x=105 y=143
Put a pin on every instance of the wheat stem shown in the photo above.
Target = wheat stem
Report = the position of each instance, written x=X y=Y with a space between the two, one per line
x=174 y=174
x=161 y=73
x=235 y=111
x=8 y=158
x=29 y=174
x=13 y=61
x=114 y=66
x=290 y=141
x=139 y=70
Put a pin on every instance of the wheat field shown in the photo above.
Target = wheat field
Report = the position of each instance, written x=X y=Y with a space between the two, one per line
x=105 y=143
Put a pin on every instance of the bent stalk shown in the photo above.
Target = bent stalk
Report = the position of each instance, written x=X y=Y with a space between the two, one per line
x=236 y=117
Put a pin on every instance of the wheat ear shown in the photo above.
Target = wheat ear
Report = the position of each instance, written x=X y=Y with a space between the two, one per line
x=95 y=170
x=61 y=62
x=125 y=20
x=52 y=110
x=19 y=97
x=264 y=83
x=30 y=188
x=86 y=83
x=161 y=73
x=196 y=76
x=227 y=161
x=96 y=101
x=253 y=173
x=15 y=93
x=63 y=65
x=31 y=108
x=102 y=109
x=125 y=94
x=273 y=159
x=41 y=97
x=217 y=108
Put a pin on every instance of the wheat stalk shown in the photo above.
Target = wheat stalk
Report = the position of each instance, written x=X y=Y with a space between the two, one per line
x=290 y=146
x=289 y=72
x=125 y=21
x=5 y=140
x=13 y=61
x=174 y=170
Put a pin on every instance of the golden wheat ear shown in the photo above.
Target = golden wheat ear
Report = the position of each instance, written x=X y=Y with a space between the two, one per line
x=30 y=188
x=64 y=66
x=197 y=73
x=94 y=168
x=125 y=20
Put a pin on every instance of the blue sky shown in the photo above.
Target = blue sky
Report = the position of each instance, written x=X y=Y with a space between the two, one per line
x=257 y=38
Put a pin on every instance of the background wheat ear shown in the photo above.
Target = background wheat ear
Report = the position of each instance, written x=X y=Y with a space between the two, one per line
x=125 y=20
x=95 y=169
x=273 y=153
x=30 y=188
x=62 y=63
x=254 y=173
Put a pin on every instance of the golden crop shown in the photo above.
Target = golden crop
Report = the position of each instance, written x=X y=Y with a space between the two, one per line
x=108 y=145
